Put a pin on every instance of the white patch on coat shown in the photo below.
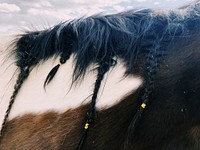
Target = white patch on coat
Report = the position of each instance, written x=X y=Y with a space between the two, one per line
x=32 y=98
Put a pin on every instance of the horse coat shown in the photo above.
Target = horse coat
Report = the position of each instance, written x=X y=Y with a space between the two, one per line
x=122 y=81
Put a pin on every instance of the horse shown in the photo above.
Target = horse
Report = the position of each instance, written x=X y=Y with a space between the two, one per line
x=125 y=81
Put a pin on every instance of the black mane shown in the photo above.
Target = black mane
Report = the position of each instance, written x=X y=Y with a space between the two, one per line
x=125 y=35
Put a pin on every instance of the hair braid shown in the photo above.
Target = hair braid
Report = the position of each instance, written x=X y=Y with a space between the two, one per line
x=24 y=66
x=150 y=73
x=104 y=66
x=21 y=78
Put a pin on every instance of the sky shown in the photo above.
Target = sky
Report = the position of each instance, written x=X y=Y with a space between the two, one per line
x=19 y=15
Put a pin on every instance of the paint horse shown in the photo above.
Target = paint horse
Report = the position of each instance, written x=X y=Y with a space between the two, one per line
x=128 y=81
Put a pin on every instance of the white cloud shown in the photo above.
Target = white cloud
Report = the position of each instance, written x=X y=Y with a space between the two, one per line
x=58 y=14
x=179 y=1
x=118 y=8
x=33 y=11
x=45 y=3
x=9 y=8
x=129 y=7
x=100 y=2
x=70 y=13
x=156 y=3
x=140 y=1
x=36 y=5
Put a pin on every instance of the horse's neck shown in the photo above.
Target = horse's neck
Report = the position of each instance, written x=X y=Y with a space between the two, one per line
x=58 y=96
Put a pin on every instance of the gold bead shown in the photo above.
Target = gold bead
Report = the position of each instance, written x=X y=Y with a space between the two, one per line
x=143 y=105
x=59 y=63
x=86 y=126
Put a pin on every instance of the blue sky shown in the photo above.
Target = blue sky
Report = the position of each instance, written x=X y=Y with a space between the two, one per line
x=19 y=15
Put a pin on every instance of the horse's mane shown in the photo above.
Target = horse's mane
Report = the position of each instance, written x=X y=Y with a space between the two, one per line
x=102 y=40
x=95 y=38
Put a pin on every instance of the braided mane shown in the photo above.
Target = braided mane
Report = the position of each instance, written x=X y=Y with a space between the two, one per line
x=140 y=38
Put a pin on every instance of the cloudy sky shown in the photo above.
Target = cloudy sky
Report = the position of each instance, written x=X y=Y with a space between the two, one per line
x=19 y=15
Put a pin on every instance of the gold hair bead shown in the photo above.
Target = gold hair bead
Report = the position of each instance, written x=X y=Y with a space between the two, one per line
x=86 y=126
x=143 y=105
x=59 y=63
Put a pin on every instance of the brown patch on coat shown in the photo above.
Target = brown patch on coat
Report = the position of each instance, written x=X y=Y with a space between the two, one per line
x=194 y=133
x=44 y=131
x=54 y=131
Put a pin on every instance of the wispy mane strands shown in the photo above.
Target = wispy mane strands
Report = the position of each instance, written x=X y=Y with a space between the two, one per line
x=125 y=35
